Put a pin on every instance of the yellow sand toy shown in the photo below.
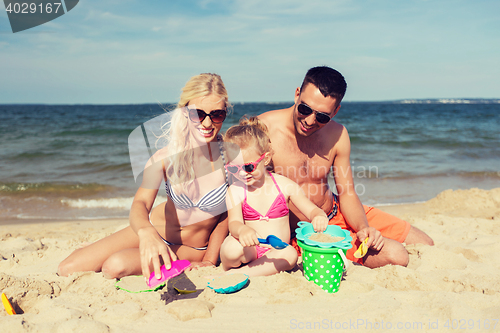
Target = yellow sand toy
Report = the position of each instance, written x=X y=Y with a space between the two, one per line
x=362 y=249
x=7 y=305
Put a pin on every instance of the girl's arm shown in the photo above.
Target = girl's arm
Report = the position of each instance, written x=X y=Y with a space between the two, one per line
x=297 y=196
x=243 y=233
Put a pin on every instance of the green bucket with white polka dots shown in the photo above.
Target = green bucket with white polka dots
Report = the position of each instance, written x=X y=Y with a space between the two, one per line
x=323 y=266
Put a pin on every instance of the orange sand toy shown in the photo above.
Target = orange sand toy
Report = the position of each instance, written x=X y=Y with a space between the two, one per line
x=7 y=305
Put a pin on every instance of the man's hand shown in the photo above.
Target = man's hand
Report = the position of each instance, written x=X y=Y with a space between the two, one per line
x=375 y=238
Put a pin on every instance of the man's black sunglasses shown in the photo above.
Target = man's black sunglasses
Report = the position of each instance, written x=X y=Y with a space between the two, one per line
x=306 y=110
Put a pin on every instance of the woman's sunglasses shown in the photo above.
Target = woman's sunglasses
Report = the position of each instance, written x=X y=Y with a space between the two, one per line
x=306 y=110
x=248 y=168
x=197 y=115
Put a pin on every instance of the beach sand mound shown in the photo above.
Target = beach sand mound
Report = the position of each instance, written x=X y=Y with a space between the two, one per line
x=471 y=203
x=456 y=282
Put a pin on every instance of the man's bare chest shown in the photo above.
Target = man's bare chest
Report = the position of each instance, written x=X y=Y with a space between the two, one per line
x=309 y=163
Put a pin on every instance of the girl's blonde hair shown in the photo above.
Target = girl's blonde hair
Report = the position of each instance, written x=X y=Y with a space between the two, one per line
x=179 y=168
x=250 y=133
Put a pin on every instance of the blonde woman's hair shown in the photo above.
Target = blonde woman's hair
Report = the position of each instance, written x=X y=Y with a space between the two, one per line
x=179 y=168
x=250 y=133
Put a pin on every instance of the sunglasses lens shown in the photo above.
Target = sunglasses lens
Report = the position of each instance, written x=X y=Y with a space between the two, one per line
x=304 y=110
x=196 y=115
x=322 y=118
x=248 y=167
x=232 y=169
x=218 y=116
x=201 y=115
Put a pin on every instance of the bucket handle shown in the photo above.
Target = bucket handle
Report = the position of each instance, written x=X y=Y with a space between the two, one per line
x=344 y=259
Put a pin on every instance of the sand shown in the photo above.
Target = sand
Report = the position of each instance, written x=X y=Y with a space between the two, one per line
x=454 y=284
x=325 y=238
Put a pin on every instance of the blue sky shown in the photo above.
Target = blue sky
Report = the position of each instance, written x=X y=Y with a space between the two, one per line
x=128 y=51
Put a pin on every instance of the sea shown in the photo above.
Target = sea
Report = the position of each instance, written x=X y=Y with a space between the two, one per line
x=72 y=162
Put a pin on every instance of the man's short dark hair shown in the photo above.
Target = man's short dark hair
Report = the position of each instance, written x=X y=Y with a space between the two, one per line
x=329 y=82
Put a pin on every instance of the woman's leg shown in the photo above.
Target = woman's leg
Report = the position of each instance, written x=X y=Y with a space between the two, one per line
x=93 y=256
x=123 y=263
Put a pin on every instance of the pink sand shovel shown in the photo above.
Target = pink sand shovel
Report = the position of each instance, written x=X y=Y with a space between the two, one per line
x=177 y=268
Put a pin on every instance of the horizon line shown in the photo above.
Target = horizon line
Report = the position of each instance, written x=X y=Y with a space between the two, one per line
x=458 y=100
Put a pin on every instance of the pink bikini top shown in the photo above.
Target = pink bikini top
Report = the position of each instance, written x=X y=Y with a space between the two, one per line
x=279 y=208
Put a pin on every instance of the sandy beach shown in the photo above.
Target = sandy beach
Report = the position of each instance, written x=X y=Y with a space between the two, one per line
x=452 y=285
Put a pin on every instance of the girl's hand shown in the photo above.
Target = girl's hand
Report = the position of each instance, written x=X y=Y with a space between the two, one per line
x=375 y=241
x=151 y=247
x=248 y=237
x=320 y=223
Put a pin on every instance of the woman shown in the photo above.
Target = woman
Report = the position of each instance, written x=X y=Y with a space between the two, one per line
x=192 y=224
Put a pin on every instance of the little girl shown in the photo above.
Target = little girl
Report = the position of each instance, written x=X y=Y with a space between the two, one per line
x=257 y=204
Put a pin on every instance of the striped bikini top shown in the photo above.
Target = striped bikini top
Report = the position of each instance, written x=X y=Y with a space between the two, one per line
x=214 y=200
x=279 y=208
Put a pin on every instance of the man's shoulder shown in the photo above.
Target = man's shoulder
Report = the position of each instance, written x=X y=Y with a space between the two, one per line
x=333 y=130
x=335 y=126
x=272 y=117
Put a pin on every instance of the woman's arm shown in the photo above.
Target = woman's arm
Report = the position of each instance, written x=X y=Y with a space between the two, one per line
x=151 y=246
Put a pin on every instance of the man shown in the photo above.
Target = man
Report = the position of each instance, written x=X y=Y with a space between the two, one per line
x=307 y=145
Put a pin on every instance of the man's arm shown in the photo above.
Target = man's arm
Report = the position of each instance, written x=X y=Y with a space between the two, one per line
x=349 y=202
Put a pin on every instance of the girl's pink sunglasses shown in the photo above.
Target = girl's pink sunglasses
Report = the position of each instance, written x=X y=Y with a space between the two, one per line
x=248 y=168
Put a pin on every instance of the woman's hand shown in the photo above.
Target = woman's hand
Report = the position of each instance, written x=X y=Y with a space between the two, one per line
x=375 y=241
x=248 y=236
x=151 y=247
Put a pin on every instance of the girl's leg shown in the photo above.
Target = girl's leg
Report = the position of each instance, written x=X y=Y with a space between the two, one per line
x=272 y=262
x=233 y=254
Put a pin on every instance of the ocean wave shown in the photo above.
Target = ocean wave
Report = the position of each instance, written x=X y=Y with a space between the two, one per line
x=121 y=203
x=31 y=155
x=100 y=166
x=39 y=189
x=493 y=175
x=433 y=143
x=450 y=101
x=95 y=132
